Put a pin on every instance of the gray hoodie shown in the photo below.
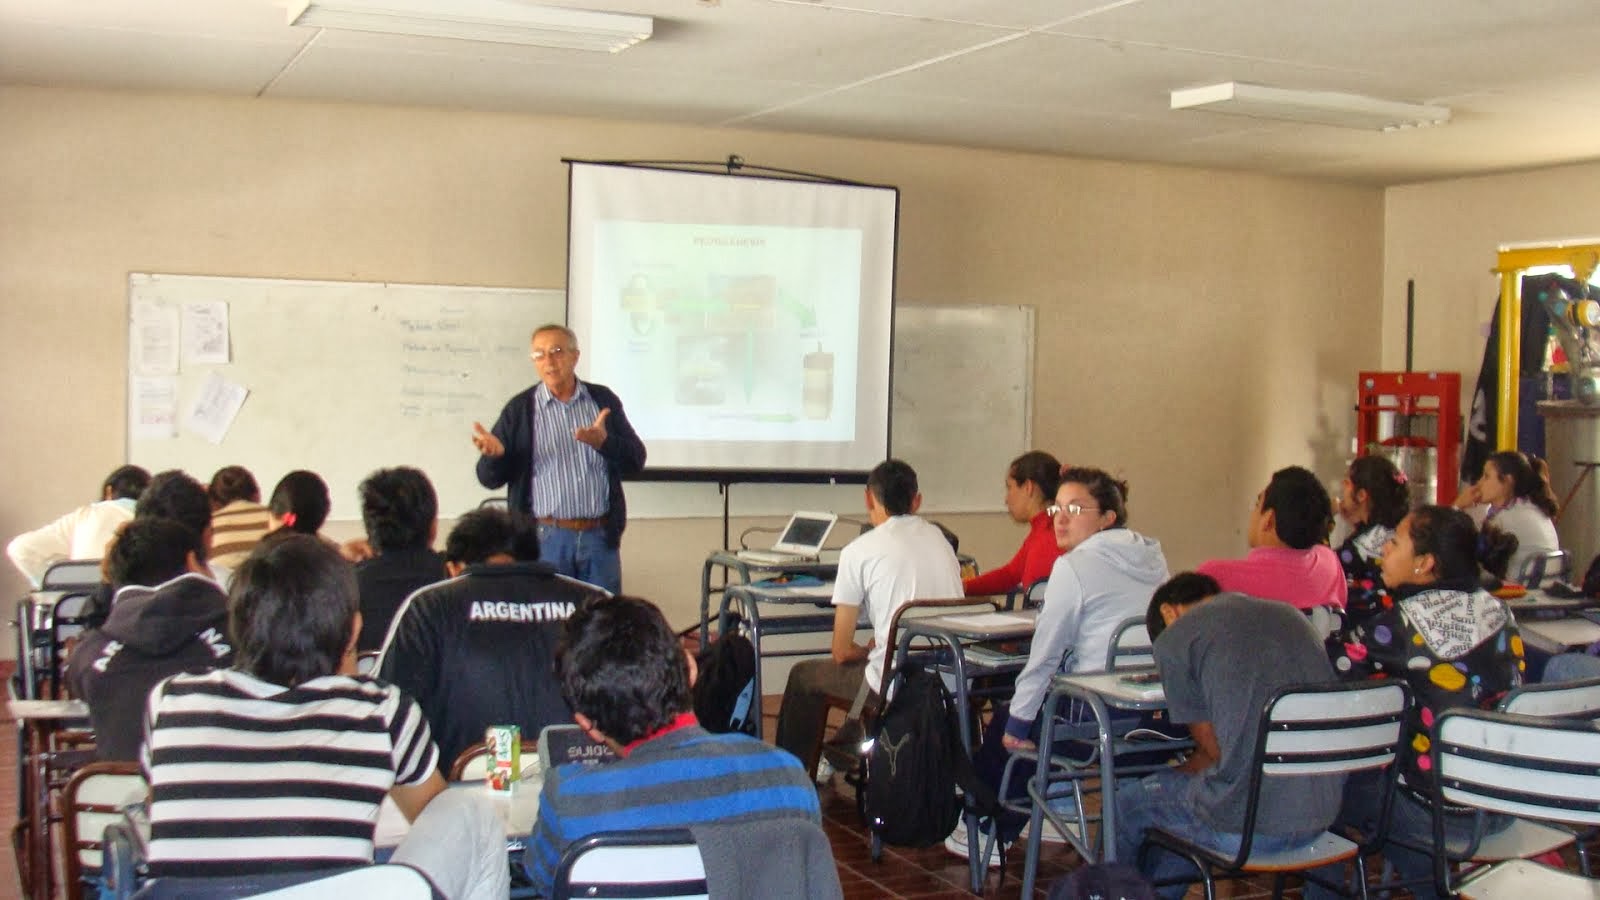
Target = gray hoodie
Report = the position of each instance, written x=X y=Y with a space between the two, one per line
x=1103 y=581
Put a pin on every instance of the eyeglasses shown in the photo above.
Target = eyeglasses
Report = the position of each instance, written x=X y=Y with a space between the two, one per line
x=1071 y=509
x=555 y=353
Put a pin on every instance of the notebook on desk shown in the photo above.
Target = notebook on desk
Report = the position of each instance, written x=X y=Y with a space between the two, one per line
x=801 y=540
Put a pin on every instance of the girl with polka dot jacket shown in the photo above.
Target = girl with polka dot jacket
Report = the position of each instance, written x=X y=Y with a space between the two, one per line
x=1453 y=642
x=1373 y=499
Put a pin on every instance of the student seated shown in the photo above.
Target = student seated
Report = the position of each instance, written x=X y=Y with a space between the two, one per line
x=1514 y=495
x=1104 y=576
x=479 y=649
x=1372 y=501
x=82 y=533
x=238 y=520
x=401 y=513
x=1288 y=560
x=1454 y=644
x=1031 y=484
x=903 y=558
x=299 y=504
x=278 y=764
x=628 y=678
x=169 y=616
x=171 y=495
x=1221 y=657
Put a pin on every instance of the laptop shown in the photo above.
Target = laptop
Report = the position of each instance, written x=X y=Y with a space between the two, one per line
x=801 y=541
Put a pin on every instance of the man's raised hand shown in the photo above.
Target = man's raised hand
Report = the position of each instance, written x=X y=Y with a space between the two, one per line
x=487 y=443
x=595 y=434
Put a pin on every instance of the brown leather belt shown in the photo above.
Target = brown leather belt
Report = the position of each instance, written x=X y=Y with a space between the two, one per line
x=574 y=524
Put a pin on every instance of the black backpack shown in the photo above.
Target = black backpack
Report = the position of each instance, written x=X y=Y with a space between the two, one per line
x=915 y=765
x=724 y=693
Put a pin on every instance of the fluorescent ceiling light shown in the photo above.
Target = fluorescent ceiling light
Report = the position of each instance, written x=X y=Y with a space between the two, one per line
x=1316 y=107
x=496 y=21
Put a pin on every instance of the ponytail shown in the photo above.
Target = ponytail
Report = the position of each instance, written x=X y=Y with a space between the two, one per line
x=1530 y=479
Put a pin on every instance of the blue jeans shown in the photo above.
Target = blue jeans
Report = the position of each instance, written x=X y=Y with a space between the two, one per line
x=582 y=555
x=1571 y=667
x=1161 y=800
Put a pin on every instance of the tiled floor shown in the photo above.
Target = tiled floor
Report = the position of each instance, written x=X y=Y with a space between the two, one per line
x=933 y=872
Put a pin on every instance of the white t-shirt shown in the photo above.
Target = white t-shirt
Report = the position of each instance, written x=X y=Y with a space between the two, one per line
x=1534 y=531
x=906 y=558
x=80 y=534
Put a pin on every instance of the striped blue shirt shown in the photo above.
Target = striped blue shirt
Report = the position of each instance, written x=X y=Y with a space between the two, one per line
x=570 y=480
x=682 y=778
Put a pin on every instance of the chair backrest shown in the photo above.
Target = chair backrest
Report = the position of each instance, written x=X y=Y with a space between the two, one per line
x=71 y=575
x=1562 y=699
x=1325 y=729
x=1027 y=596
x=1130 y=646
x=472 y=764
x=1529 y=766
x=93 y=799
x=67 y=619
x=1539 y=567
x=928 y=607
x=638 y=864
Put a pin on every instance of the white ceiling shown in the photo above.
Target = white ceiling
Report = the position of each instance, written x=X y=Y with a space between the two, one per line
x=1068 y=77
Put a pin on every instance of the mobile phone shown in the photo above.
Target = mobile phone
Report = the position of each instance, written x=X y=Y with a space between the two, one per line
x=1142 y=678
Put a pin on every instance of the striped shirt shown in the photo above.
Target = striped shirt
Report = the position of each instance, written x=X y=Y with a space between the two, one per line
x=570 y=477
x=684 y=777
x=236 y=529
x=247 y=777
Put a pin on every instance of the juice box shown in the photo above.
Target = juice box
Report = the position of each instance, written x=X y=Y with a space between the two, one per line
x=505 y=757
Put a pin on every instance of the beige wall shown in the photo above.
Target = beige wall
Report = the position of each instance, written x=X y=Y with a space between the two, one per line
x=1445 y=236
x=1196 y=329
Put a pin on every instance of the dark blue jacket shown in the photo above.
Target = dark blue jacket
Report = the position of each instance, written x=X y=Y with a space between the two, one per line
x=622 y=450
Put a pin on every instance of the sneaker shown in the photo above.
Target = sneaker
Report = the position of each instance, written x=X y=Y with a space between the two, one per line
x=1048 y=836
x=956 y=844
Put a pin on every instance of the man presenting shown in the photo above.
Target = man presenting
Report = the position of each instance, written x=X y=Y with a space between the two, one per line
x=561 y=448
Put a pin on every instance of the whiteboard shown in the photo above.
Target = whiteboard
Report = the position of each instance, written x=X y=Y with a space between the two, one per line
x=347 y=377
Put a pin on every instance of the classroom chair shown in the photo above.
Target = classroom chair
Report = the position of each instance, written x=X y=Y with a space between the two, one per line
x=71 y=575
x=1525 y=766
x=472 y=764
x=67 y=620
x=1315 y=729
x=1554 y=565
x=1027 y=596
x=649 y=863
x=94 y=798
x=1130 y=648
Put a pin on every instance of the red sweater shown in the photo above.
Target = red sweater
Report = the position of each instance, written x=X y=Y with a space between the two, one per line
x=1033 y=561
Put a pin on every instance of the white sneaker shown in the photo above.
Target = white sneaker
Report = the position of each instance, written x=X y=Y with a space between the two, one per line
x=956 y=844
x=1049 y=834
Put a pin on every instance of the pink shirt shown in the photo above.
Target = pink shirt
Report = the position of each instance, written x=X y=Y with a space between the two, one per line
x=1304 y=579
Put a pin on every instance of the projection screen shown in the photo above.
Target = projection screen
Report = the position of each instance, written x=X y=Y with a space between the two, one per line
x=745 y=321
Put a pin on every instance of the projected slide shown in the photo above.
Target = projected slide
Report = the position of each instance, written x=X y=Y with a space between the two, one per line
x=733 y=333
x=744 y=321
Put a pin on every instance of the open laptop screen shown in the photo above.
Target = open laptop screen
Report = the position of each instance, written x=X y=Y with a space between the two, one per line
x=804 y=531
